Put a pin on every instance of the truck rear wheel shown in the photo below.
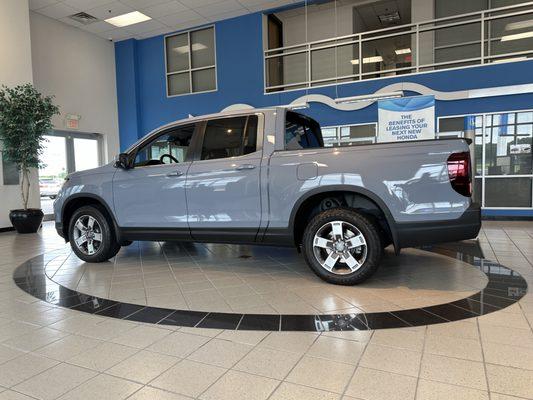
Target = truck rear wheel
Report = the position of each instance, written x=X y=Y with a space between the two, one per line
x=342 y=246
x=91 y=236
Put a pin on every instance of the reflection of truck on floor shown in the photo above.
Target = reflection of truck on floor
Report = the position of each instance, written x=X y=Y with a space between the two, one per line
x=264 y=177
x=49 y=187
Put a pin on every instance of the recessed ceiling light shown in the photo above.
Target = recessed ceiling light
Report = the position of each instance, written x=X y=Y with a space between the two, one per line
x=517 y=36
x=128 y=19
x=368 y=60
x=402 y=51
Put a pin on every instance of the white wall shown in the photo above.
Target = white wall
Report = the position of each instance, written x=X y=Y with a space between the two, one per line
x=15 y=68
x=78 y=68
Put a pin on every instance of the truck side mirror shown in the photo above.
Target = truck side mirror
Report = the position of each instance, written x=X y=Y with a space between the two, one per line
x=123 y=161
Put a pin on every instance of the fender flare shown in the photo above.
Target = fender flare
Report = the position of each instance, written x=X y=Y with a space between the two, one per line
x=92 y=196
x=353 y=189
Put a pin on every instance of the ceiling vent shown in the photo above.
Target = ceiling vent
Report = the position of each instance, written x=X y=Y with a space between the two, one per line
x=83 y=18
x=389 y=18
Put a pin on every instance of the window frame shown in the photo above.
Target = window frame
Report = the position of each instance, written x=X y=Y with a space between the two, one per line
x=190 y=70
x=202 y=129
x=483 y=176
x=132 y=154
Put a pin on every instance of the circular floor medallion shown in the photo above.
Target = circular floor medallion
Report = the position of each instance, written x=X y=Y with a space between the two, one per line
x=476 y=286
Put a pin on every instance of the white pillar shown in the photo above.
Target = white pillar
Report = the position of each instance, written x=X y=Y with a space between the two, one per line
x=423 y=10
x=15 y=68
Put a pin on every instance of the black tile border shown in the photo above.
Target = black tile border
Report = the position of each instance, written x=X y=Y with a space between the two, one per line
x=504 y=288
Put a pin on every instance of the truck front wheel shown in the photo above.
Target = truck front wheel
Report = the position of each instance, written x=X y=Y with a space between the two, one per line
x=342 y=246
x=91 y=236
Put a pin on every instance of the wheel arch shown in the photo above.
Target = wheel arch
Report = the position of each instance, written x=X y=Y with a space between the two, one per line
x=76 y=201
x=361 y=198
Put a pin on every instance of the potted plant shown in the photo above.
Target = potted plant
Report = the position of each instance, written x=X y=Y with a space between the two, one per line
x=25 y=117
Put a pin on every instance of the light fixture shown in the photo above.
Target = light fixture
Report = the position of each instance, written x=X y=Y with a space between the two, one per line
x=367 y=60
x=517 y=36
x=402 y=51
x=367 y=97
x=389 y=18
x=128 y=19
x=519 y=25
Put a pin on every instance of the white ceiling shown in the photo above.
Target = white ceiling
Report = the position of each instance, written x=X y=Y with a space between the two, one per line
x=167 y=15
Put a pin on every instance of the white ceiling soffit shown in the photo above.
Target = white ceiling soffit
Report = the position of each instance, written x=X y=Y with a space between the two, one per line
x=166 y=15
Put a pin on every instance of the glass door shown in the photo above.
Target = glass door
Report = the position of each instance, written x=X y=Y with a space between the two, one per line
x=64 y=153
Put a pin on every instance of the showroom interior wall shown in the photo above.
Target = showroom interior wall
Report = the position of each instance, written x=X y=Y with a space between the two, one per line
x=15 y=68
x=78 y=68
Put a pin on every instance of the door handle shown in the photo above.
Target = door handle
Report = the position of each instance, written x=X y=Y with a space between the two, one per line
x=244 y=166
x=175 y=174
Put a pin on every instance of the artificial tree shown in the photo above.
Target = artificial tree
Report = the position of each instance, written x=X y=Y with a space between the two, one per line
x=25 y=117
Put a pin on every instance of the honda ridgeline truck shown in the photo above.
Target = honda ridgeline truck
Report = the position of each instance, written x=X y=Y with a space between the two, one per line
x=263 y=176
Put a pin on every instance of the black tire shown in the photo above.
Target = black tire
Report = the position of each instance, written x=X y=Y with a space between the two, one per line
x=108 y=246
x=370 y=233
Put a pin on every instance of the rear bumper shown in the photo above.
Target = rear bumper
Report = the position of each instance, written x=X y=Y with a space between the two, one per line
x=465 y=227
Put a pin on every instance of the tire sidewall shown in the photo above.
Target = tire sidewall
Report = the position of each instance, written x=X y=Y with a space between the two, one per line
x=367 y=229
x=107 y=236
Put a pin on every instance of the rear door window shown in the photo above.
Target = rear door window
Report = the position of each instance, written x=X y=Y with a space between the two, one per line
x=230 y=137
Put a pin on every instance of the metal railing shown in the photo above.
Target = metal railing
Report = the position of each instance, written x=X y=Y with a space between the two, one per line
x=475 y=34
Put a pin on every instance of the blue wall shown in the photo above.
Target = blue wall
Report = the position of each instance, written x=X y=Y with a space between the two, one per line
x=143 y=104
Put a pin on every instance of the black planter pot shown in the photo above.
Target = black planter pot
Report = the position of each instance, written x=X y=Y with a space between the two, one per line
x=26 y=221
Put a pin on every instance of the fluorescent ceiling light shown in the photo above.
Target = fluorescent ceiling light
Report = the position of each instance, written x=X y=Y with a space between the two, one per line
x=367 y=97
x=517 y=36
x=519 y=25
x=368 y=60
x=128 y=19
x=402 y=51
x=185 y=49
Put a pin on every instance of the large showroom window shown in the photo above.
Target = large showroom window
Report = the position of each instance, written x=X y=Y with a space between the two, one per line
x=191 y=62
x=349 y=135
x=342 y=41
x=502 y=156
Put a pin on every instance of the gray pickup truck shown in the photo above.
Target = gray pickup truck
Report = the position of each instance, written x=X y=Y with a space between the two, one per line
x=263 y=176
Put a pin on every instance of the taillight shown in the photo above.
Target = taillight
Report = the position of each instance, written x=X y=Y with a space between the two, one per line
x=459 y=172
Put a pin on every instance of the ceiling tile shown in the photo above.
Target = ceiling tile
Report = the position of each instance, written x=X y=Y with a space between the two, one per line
x=83 y=5
x=219 y=8
x=109 y=10
x=161 y=10
x=36 y=4
x=228 y=15
x=150 y=34
x=143 y=27
x=139 y=4
x=199 y=3
x=115 y=34
x=57 y=11
x=191 y=24
x=183 y=16
x=270 y=5
x=98 y=27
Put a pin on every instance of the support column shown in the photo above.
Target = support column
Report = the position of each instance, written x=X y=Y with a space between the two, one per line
x=15 y=69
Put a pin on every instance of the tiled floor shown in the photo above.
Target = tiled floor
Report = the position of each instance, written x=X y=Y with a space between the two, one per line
x=48 y=352
x=254 y=279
